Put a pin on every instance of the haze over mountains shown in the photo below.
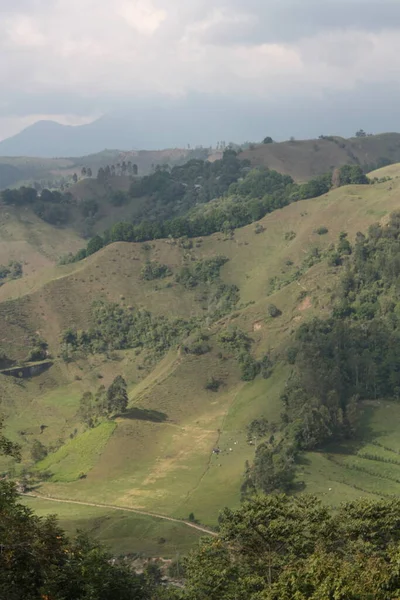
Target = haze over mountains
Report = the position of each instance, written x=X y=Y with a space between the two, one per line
x=160 y=122
x=148 y=125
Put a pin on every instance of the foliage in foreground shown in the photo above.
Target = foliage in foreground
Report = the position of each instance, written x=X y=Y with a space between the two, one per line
x=281 y=548
x=39 y=562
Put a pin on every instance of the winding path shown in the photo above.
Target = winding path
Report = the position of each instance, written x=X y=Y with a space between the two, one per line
x=132 y=510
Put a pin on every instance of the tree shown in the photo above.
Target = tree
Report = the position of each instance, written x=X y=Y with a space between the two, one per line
x=8 y=448
x=361 y=133
x=84 y=172
x=75 y=178
x=117 y=396
x=38 y=451
x=280 y=548
x=89 y=172
x=268 y=140
x=86 y=410
x=38 y=561
x=94 y=245
x=273 y=311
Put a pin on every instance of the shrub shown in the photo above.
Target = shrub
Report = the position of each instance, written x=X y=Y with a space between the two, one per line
x=322 y=230
x=249 y=367
x=198 y=346
x=154 y=270
x=213 y=384
x=273 y=311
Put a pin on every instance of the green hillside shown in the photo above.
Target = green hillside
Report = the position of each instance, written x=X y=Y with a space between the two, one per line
x=158 y=456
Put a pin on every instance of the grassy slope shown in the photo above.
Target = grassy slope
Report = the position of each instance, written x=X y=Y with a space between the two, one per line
x=30 y=169
x=124 y=532
x=168 y=466
x=36 y=244
x=303 y=159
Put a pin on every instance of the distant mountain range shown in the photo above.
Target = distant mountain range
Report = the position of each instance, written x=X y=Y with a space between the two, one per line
x=150 y=126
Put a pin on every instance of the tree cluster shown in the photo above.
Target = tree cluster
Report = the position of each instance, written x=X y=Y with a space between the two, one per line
x=281 y=548
x=105 y=403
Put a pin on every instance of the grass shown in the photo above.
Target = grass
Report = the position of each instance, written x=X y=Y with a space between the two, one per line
x=78 y=456
x=123 y=532
x=304 y=159
x=159 y=457
x=369 y=466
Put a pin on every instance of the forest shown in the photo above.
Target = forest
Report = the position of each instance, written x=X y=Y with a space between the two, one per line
x=339 y=361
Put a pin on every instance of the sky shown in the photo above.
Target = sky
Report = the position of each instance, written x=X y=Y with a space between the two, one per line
x=316 y=63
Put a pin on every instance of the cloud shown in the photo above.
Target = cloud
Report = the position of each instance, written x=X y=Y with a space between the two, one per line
x=85 y=57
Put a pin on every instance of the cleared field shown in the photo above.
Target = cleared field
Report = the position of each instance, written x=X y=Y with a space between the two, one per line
x=367 y=467
x=124 y=533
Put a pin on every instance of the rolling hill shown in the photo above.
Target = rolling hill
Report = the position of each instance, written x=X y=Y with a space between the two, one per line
x=304 y=159
x=53 y=172
x=159 y=456
x=301 y=159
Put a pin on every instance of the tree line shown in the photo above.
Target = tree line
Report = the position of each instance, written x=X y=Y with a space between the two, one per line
x=339 y=361
x=260 y=192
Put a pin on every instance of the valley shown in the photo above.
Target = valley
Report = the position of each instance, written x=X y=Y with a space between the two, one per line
x=180 y=448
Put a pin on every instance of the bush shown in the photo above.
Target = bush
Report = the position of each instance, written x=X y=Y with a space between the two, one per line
x=273 y=311
x=198 y=346
x=213 y=384
x=249 y=367
x=154 y=270
x=322 y=230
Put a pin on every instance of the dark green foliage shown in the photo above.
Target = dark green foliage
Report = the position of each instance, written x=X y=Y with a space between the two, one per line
x=322 y=230
x=12 y=271
x=117 y=328
x=39 y=350
x=38 y=561
x=268 y=140
x=54 y=214
x=352 y=174
x=267 y=366
x=52 y=207
x=222 y=299
x=273 y=469
x=213 y=384
x=281 y=548
x=258 y=428
x=273 y=311
x=198 y=345
x=117 y=396
x=235 y=340
x=94 y=245
x=154 y=270
x=20 y=197
x=203 y=271
x=315 y=187
x=119 y=198
x=249 y=367
x=38 y=451
x=88 y=208
x=92 y=407
x=180 y=204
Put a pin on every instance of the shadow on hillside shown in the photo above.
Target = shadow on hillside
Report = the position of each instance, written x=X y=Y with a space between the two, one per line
x=143 y=414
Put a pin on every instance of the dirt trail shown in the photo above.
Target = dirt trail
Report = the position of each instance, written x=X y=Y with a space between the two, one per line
x=133 y=510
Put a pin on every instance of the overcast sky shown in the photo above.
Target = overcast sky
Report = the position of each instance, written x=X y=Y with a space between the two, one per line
x=74 y=60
